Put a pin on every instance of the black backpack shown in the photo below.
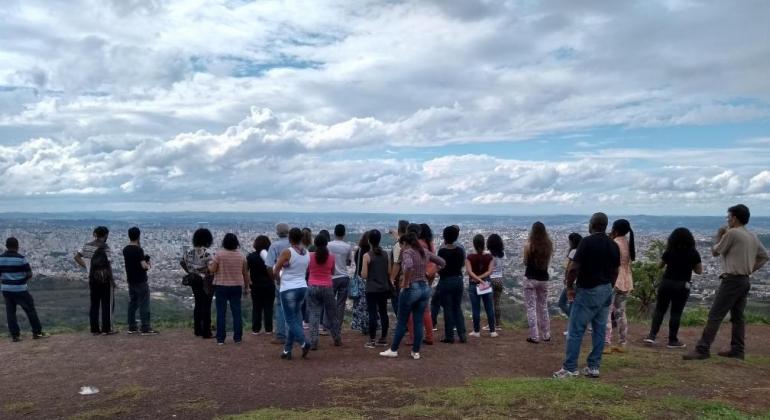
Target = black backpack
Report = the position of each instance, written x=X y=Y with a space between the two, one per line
x=101 y=269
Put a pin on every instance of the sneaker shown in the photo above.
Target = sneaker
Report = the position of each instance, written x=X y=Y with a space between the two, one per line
x=305 y=326
x=676 y=345
x=494 y=334
x=41 y=335
x=415 y=356
x=649 y=339
x=237 y=341
x=256 y=333
x=389 y=353
x=370 y=344
x=695 y=355
x=285 y=355
x=486 y=328
x=498 y=328
x=220 y=343
x=268 y=333
x=435 y=328
x=323 y=332
x=150 y=332
x=475 y=334
x=382 y=342
x=532 y=340
x=730 y=354
x=132 y=332
x=16 y=339
x=565 y=374
x=590 y=373
x=447 y=340
x=305 y=350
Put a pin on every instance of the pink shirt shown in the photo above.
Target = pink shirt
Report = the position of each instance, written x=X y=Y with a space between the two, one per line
x=320 y=274
x=625 y=282
x=230 y=268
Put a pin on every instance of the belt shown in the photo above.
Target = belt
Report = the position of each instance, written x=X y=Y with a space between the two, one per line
x=727 y=276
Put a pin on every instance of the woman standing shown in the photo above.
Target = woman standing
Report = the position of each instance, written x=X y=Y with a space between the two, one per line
x=415 y=292
x=479 y=266
x=262 y=287
x=292 y=265
x=307 y=242
x=564 y=304
x=231 y=280
x=425 y=238
x=623 y=285
x=196 y=261
x=680 y=259
x=320 y=293
x=360 y=318
x=376 y=272
x=451 y=285
x=497 y=250
x=537 y=257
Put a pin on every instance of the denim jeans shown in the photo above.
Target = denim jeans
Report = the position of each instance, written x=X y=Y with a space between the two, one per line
x=564 y=304
x=321 y=300
x=476 y=308
x=591 y=306
x=452 y=300
x=231 y=295
x=291 y=301
x=280 y=321
x=411 y=302
x=25 y=301
x=341 y=285
x=139 y=298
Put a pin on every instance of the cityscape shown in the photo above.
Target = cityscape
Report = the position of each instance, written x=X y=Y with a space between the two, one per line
x=50 y=243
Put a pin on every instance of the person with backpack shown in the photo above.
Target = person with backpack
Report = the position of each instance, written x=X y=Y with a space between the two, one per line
x=96 y=256
x=15 y=272
x=137 y=263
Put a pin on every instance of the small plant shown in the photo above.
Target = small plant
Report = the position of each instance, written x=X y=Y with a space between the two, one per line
x=647 y=276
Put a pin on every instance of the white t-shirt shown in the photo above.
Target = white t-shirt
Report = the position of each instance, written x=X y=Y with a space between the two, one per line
x=343 y=254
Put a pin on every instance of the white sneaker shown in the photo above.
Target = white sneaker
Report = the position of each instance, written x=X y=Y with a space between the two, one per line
x=590 y=373
x=415 y=356
x=565 y=374
x=494 y=334
x=475 y=334
x=389 y=353
x=566 y=333
x=486 y=328
x=435 y=328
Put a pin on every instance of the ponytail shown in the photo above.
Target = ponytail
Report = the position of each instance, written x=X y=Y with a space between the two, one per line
x=631 y=245
x=622 y=227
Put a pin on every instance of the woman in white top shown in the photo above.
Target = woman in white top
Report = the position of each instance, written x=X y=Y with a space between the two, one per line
x=291 y=267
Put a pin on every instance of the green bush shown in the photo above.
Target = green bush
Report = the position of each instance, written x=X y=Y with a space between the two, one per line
x=647 y=276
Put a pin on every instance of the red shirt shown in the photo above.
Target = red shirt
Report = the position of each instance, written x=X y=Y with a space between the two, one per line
x=480 y=263
x=320 y=274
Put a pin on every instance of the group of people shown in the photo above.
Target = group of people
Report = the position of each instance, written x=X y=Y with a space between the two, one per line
x=302 y=283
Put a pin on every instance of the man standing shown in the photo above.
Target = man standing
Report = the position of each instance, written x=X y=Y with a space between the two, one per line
x=742 y=254
x=276 y=248
x=343 y=257
x=595 y=266
x=15 y=272
x=100 y=281
x=137 y=264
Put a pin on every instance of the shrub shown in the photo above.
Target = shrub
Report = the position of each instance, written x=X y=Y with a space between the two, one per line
x=647 y=276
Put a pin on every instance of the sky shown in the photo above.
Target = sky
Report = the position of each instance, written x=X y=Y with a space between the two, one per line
x=466 y=106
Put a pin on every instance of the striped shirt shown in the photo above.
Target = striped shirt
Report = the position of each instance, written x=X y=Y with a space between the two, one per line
x=414 y=263
x=229 y=268
x=14 y=272
x=88 y=250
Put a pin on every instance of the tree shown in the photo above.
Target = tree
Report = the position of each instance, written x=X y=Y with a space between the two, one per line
x=647 y=276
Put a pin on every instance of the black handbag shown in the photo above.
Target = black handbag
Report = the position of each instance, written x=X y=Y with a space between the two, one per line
x=192 y=280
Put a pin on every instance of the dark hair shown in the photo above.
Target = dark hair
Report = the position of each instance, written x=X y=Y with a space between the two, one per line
x=261 y=243
x=574 y=239
x=426 y=234
x=325 y=233
x=321 y=250
x=230 y=242
x=680 y=238
x=101 y=232
x=478 y=243
x=134 y=233
x=202 y=238
x=451 y=233
x=374 y=241
x=495 y=245
x=622 y=227
x=414 y=228
x=307 y=236
x=339 y=230
x=12 y=243
x=540 y=246
x=402 y=224
x=599 y=222
x=295 y=235
x=363 y=244
x=741 y=212
x=411 y=239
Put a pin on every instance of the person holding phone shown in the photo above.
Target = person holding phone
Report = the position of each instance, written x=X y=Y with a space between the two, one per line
x=479 y=267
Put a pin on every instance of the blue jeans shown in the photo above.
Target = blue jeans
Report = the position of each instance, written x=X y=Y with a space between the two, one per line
x=591 y=306
x=139 y=298
x=476 y=300
x=231 y=295
x=411 y=301
x=564 y=303
x=280 y=321
x=291 y=301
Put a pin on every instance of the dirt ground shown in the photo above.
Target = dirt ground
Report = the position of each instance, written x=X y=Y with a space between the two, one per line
x=177 y=375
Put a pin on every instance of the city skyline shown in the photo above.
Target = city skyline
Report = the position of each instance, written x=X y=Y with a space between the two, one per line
x=435 y=107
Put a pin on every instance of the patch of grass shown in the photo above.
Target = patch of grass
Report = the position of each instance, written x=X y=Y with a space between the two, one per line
x=197 y=404
x=102 y=413
x=697 y=317
x=760 y=361
x=19 y=408
x=130 y=392
x=421 y=410
x=703 y=409
x=332 y=413
x=658 y=380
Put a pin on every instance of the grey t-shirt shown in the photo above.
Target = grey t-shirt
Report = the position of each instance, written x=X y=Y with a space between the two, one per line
x=343 y=255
